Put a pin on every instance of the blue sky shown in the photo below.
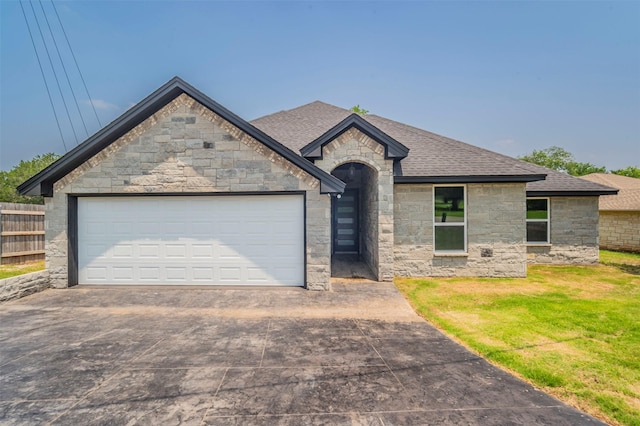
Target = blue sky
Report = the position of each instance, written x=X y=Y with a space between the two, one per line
x=507 y=76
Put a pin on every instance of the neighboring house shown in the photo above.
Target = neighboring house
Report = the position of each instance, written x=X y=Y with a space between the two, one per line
x=179 y=190
x=619 y=214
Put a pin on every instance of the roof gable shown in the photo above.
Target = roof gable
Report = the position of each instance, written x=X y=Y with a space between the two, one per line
x=42 y=183
x=392 y=148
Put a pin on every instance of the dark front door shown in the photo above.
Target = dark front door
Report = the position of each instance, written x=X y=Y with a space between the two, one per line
x=345 y=223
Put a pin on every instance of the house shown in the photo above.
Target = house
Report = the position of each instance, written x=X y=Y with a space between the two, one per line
x=179 y=190
x=619 y=214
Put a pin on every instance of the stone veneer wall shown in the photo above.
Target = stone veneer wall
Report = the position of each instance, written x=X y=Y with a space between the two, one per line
x=495 y=232
x=354 y=146
x=186 y=148
x=620 y=230
x=574 y=233
x=23 y=285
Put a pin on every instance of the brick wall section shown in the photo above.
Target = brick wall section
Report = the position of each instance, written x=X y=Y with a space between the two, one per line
x=495 y=232
x=574 y=233
x=186 y=148
x=23 y=285
x=354 y=146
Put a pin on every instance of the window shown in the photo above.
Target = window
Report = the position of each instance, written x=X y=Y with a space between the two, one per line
x=450 y=219
x=538 y=220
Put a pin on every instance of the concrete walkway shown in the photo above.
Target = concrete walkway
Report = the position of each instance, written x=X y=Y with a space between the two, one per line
x=356 y=356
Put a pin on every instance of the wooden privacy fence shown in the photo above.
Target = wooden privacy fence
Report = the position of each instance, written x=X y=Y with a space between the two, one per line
x=21 y=233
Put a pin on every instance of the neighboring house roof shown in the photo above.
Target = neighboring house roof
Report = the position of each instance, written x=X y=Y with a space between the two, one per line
x=628 y=198
x=42 y=183
x=431 y=157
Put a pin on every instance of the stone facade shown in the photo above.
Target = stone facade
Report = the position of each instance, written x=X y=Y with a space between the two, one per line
x=354 y=146
x=573 y=233
x=620 y=230
x=186 y=148
x=495 y=232
x=23 y=285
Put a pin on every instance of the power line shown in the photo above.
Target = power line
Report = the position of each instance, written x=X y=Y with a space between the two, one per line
x=76 y=62
x=46 y=48
x=43 y=77
x=64 y=68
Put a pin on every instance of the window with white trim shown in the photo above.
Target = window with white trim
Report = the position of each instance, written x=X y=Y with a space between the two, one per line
x=537 y=220
x=450 y=218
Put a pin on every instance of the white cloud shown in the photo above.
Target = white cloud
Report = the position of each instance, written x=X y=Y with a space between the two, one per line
x=101 y=104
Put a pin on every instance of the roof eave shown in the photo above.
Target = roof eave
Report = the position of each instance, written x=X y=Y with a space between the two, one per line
x=42 y=183
x=574 y=193
x=469 y=179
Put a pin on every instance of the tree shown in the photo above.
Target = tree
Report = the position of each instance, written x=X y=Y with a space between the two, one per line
x=630 y=171
x=359 y=110
x=575 y=168
x=9 y=181
x=557 y=158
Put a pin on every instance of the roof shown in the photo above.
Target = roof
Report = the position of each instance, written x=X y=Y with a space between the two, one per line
x=299 y=134
x=431 y=157
x=628 y=197
x=42 y=183
x=392 y=148
x=558 y=183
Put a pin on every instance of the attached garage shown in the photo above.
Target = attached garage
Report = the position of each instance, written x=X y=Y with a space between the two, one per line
x=191 y=240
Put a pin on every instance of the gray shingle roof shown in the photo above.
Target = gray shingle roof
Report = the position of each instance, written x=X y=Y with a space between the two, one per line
x=561 y=183
x=430 y=154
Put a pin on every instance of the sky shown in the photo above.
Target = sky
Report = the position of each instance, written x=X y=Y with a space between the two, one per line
x=504 y=75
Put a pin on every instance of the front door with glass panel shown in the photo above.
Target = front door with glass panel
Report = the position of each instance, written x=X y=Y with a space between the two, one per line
x=345 y=223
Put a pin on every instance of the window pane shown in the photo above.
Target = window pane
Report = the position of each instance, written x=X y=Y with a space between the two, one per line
x=537 y=232
x=449 y=204
x=537 y=209
x=449 y=238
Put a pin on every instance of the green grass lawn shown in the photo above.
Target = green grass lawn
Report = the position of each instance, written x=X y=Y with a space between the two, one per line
x=8 y=271
x=571 y=331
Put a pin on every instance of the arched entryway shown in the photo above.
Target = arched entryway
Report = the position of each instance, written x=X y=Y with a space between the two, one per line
x=354 y=223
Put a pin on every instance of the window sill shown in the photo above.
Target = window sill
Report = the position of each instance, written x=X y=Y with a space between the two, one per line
x=539 y=244
x=453 y=254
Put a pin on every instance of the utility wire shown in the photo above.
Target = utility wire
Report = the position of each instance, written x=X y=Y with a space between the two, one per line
x=43 y=77
x=46 y=48
x=64 y=68
x=76 y=62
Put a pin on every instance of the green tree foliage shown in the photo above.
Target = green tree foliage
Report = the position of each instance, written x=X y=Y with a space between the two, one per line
x=358 y=110
x=10 y=180
x=575 y=168
x=559 y=159
x=630 y=171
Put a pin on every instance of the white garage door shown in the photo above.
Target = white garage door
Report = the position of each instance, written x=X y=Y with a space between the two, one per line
x=218 y=240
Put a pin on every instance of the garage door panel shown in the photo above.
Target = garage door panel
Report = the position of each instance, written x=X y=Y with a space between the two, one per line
x=148 y=251
x=202 y=251
x=147 y=274
x=228 y=240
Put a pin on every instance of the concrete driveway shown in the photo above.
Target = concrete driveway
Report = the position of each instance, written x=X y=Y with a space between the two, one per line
x=357 y=355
